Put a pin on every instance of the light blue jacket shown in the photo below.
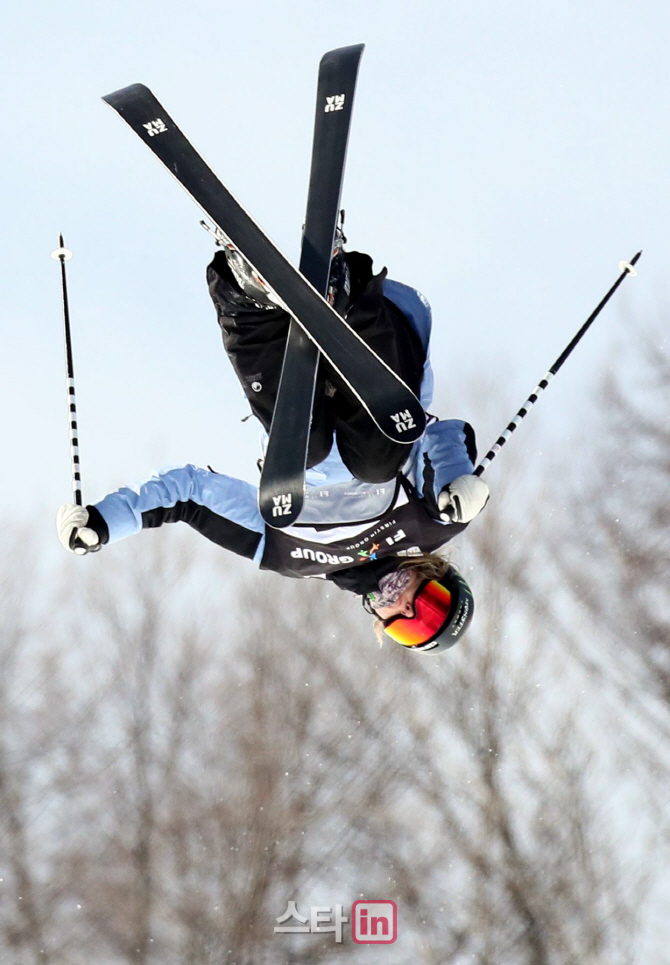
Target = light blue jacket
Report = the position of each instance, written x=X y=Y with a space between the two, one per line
x=226 y=509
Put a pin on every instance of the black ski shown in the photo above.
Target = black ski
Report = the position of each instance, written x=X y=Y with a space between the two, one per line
x=282 y=483
x=390 y=403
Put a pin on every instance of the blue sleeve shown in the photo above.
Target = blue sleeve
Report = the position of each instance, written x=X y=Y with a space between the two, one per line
x=222 y=508
x=445 y=451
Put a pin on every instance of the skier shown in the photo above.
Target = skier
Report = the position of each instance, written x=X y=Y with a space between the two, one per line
x=376 y=511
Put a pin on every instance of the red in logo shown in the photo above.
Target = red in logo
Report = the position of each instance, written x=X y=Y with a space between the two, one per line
x=374 y=922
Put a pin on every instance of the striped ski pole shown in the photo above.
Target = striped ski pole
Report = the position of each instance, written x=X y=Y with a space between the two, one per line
x=64 y=254
x=627 y=268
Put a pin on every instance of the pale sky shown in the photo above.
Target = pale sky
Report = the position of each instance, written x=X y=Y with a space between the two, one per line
x=504 y=158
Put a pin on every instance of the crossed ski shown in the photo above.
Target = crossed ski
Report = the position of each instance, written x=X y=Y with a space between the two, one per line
x=387 y=399
x=281 y=490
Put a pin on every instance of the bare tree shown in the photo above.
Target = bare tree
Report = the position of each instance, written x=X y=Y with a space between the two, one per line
x=198 y=746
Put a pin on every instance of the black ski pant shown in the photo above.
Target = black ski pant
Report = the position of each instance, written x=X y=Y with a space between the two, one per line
x=255 y=340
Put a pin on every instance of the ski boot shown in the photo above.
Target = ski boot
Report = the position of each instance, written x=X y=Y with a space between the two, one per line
x=339 y=283
x=249 y=281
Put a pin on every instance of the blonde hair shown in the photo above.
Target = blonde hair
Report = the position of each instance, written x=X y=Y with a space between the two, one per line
x=430 y=566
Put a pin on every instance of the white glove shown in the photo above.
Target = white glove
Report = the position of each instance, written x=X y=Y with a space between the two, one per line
x=73 y=532
x=462 y=499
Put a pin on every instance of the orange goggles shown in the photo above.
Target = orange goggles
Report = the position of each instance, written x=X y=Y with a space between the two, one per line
x=432 y=605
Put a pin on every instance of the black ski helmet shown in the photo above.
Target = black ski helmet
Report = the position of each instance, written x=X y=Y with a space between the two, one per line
x=457 y=614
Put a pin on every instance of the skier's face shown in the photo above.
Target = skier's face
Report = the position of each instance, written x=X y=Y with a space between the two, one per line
x=404 y=605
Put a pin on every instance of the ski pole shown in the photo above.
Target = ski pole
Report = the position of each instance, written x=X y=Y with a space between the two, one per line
x=64 y=254
x=627 y=268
